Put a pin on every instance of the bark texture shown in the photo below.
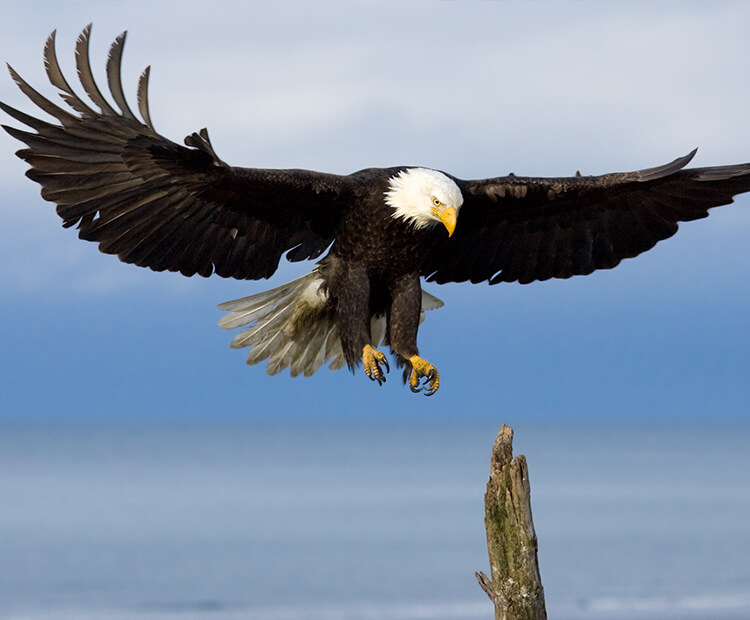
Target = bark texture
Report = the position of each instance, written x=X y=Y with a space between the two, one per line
x=516 y=585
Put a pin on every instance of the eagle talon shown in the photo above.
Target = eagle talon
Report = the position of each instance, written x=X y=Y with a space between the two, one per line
x=372 y=359
x=424 y=376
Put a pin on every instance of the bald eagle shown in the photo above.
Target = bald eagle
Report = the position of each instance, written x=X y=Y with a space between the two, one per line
x=165 y=206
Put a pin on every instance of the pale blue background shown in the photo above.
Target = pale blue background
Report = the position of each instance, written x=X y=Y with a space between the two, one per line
x=475 y=88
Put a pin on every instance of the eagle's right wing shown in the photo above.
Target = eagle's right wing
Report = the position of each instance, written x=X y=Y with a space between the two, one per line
x=161 y=205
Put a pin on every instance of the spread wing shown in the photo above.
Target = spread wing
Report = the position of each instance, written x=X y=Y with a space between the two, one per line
x=161 y=205
x=525 y=229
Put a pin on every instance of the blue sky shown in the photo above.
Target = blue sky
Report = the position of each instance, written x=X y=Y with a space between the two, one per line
x=474 y=88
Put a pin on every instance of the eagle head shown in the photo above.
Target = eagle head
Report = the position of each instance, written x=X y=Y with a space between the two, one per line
x=424 y=198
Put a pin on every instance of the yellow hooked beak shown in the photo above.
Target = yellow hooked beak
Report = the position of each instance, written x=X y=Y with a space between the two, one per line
x=448 y=216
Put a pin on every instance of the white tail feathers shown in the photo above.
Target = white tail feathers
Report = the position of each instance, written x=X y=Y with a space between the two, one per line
x=292 y=326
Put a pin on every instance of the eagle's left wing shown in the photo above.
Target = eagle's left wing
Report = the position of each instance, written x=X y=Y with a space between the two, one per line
x=525 y=229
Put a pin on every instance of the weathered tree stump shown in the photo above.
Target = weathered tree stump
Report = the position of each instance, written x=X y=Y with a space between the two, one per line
x=516 y=585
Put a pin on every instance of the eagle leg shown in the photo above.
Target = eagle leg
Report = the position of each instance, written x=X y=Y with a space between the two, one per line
x=372 y=359
x=421 y=369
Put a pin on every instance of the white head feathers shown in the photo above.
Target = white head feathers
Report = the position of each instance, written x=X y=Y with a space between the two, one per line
x=417 y=195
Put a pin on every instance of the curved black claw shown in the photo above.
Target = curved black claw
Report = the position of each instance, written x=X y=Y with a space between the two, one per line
x=372 y=359
x=424 y=377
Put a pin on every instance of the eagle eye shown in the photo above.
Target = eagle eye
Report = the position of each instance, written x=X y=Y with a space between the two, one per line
x=436 y=202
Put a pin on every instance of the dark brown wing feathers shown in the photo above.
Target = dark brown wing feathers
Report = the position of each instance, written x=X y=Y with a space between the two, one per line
x=158 y=204
x=525 y=229
x=165 y=206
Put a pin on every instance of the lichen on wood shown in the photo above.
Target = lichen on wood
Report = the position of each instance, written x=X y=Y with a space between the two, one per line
x=516 y=585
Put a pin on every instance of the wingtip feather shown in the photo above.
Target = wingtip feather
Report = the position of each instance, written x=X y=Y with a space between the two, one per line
x=659 y=172
x=114 y=79
x=85 y=75
x=143 y=97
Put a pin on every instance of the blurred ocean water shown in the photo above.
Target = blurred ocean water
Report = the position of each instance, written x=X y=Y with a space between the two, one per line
x=328 y=521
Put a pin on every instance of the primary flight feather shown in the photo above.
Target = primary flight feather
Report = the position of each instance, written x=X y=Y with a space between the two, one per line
x=165 y=206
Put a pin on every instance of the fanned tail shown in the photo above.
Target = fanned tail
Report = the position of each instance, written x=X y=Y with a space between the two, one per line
x=293 y=326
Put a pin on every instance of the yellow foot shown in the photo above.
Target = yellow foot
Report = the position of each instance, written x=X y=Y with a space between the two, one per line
x=372 y=359
x=420 y=369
